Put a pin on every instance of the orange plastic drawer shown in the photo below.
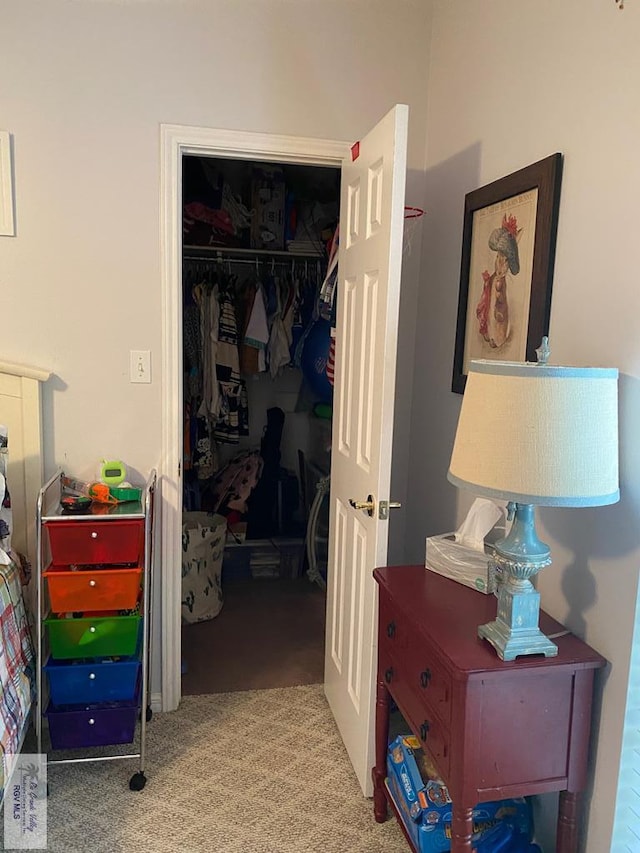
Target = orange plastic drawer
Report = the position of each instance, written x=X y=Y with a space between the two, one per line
x=93 y=590
x=81 y=542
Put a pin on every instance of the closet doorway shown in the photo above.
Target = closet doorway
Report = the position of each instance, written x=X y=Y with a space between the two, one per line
x=178 y=142
x=258 y=239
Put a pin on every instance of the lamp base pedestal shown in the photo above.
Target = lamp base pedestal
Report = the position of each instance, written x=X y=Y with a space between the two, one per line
x=515 y=630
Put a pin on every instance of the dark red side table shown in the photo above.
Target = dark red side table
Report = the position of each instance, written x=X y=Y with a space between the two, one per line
x=494 y=729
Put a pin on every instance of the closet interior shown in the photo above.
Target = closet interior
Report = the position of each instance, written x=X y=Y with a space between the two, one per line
x=260 y=243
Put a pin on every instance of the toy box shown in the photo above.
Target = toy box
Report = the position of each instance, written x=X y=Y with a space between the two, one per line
x=503 y=837
x=472 y=568
x=403 y=769
x=423 y=801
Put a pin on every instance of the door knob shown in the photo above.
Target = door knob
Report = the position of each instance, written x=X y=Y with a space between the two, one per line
x=384 y=507
x=368 y=506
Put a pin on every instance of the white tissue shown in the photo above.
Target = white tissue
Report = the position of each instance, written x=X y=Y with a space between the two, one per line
x=481 y=518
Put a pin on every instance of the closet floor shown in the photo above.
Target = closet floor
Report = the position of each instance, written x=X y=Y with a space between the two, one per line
x=269 y=633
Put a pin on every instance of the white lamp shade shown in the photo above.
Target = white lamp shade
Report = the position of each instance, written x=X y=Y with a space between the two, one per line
x=538 y=434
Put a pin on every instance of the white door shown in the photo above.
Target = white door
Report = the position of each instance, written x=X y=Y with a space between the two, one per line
x=371 y=226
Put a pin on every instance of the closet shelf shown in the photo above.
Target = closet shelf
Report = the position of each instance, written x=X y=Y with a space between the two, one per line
x=225 y=251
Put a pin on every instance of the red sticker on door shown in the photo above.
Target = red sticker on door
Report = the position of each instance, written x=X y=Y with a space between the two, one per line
x=355 y=150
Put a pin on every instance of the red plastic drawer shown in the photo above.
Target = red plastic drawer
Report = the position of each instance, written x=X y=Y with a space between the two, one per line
x=107 y=542
x=93 y=590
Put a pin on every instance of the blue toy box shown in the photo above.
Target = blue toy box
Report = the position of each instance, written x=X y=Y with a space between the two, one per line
x=423 y=801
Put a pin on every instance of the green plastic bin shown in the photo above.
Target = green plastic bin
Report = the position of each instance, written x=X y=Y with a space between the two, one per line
x=85 y=637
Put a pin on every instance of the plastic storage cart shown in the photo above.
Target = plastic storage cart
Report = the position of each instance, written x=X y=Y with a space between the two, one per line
x=94 y=575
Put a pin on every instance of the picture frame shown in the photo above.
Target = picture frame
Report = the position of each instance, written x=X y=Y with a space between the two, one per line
x=7 y=226
x=506 y=273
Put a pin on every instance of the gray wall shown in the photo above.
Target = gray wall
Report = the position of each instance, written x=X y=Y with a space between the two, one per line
x=509 y=84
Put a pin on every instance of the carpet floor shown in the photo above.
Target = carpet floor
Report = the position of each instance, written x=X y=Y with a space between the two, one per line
x=261 y=771
x=269 y=633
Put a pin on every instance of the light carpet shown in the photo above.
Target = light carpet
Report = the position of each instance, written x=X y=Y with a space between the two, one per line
x=261 y=771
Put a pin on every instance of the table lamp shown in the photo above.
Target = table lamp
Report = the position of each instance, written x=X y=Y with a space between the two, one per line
x=534 y=434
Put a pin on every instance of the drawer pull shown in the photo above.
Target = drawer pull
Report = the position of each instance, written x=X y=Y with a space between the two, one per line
x=92 y=629
x=94 y=535
x=92 y=583
x=425 y=677
x=92 y=722
x=92 y=676
x=424 y=730
x=391 y=629
x=388 y=676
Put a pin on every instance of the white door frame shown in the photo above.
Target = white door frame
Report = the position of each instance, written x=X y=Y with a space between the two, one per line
x=176 y=141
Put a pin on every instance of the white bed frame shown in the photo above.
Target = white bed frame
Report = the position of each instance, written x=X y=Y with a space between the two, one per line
x=21 y=412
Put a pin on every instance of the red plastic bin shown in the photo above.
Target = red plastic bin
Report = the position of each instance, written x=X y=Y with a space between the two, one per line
x=91 y=542
x=94 y=590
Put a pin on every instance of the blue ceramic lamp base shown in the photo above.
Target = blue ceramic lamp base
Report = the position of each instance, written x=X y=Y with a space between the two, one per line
x=515 y=630
x=519 y=556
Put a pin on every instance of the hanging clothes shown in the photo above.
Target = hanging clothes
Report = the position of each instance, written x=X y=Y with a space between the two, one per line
x=209 y=325
x=256 y=333
x=234 y=328
x=279 y=346
x=329 y=303
x=233 y=417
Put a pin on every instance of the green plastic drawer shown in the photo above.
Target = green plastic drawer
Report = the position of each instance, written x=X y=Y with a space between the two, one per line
x=88 y=637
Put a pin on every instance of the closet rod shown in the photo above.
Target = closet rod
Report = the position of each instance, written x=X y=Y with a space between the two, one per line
x=281 y=262
x=224 y=252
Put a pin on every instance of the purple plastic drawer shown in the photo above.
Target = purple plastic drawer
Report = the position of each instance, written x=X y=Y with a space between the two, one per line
x=71 y=727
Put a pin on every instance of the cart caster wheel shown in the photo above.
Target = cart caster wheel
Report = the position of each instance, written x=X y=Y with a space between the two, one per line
x=137 y=781
x=149 y=713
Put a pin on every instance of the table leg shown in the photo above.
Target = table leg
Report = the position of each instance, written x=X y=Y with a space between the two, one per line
x=461 y=829
x=382 y=737
x=568 y=815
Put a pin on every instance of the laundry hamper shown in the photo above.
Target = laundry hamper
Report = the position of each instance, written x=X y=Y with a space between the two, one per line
x=203 y=541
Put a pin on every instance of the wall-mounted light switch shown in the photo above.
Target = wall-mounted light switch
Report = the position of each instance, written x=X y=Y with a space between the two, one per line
x=140 y=365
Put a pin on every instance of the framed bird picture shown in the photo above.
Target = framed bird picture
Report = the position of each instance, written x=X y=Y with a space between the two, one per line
x=508 y=252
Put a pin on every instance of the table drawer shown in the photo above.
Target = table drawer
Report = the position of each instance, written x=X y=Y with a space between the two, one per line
x=392 y=631
x=426 y=726
x=92 y=589
x=103 y=680
x=90 y=542
x=429 y=681
x=413 y=662
x=89 y=637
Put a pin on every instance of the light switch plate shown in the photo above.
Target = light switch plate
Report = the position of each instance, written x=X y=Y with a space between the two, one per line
x=140 y=365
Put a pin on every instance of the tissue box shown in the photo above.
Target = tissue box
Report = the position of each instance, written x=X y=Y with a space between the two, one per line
x=472 y=568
